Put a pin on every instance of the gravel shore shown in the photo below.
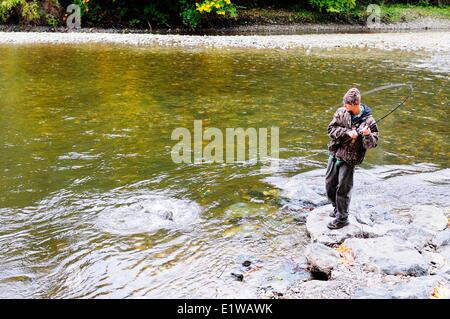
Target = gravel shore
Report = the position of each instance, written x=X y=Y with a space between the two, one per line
x=433 y=41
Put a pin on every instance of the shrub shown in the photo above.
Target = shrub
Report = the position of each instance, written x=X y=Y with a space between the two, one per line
x=192 y=15
x=334 y=6
x=30 y=12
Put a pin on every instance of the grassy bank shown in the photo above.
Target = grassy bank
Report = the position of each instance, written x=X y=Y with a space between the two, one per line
x=389 y=14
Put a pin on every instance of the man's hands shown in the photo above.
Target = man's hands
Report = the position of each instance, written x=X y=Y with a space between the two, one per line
x=353 y=134
x=366 y=130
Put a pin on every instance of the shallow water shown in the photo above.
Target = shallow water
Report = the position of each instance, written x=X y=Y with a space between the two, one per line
x=91 y=204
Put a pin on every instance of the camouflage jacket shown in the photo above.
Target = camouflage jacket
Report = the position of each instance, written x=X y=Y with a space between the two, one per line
x=341 y=145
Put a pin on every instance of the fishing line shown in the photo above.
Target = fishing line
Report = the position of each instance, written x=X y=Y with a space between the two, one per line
x=386 y=87
x=390 y=86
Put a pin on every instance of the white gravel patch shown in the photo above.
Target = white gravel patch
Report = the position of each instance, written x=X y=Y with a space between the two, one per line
x=410 y=41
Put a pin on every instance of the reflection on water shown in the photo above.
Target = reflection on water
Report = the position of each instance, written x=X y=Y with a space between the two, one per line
x=91 y=204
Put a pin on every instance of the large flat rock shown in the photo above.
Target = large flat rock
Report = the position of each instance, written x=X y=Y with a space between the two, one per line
x=316 y=225
x=414 y=288
x=389 y=255
x=429 y=216
x=417 y=236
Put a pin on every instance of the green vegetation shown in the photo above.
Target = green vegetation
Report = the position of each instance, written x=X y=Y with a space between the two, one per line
x=216 y=13
x=46 y=12
x=401 y=12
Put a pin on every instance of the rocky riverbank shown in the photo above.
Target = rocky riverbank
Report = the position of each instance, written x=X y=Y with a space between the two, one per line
x=396 y=246
x=411 y=41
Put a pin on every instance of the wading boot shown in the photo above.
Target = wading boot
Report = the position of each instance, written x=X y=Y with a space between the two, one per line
x=333 y=213
x=337 y=223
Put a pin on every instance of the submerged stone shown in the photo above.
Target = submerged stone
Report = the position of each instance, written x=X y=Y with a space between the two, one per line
x=242 y=210
x=148 y=214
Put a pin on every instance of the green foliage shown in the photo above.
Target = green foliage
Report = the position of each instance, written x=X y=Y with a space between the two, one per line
x=334 y=6
x=156 y=15
x=51 y=20
x=192 y=15
x=7 y=8
x=27 y=12
x=31 y=11
x=196 y=13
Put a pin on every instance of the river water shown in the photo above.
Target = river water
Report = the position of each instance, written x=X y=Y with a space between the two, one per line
x=87 y=178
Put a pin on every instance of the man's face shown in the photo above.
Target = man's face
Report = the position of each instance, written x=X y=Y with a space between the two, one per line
x=354 y=108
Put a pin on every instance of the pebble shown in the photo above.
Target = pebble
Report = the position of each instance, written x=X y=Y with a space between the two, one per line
x=430 y=41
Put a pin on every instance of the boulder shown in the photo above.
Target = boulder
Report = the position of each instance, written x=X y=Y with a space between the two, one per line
x=435 y=261
x=415 y=235
x=321 y=258
x=414 y=288
x=389 y=255
x=429 y=216
x=442 y=238
x=445 y=252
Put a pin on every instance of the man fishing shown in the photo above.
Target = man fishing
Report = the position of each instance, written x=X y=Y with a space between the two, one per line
x=353 y=130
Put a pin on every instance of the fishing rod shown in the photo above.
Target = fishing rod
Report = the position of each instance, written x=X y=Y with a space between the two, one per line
x=389 y=86
x=385 y=87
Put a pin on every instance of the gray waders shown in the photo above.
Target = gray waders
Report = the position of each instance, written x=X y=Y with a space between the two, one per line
x=339 y=183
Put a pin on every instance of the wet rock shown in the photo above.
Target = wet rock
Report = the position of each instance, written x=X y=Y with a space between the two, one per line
x=389 y=255
x=315 y=289
x=370 y=214
x=322 y=259
x=417 y=236
x=436 y=262
x=316 y=226
x=276 y=280
x=429 y=216
x=414 y=288
x=377 y=186
x=300 y=188
x=442 y=238
x=445 y=252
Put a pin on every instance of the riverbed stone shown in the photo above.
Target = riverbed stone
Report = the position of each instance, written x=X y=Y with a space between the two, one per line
x=389 y=255
x=429 y=216
x=321 y=258
x=414 y=288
